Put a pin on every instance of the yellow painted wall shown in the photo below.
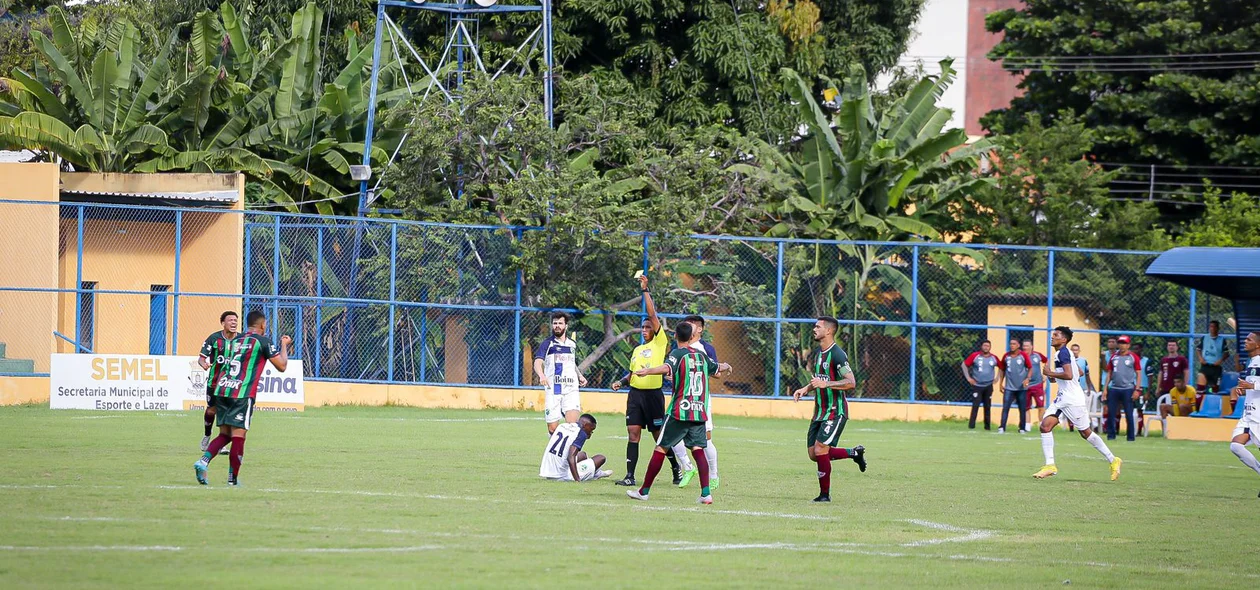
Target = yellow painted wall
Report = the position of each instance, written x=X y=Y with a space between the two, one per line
x=1022 y=316
x=18 y=390
x=28 y=258
x=138 y=251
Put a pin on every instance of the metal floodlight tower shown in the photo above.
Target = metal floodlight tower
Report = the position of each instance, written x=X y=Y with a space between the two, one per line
x=461 y=16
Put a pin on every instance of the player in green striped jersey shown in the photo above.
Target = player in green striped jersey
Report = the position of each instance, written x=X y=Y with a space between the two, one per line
x=832 y=376
x=213 y=359
x=684 y=419
x=234 y=394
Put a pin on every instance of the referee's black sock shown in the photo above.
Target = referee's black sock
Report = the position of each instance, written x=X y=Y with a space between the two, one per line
x=632 y=457
x=673 y=461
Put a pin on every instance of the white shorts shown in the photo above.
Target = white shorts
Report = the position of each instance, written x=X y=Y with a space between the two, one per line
x=586 y=472
x=560 y=404
x=1075 y=414
x=1248 y=426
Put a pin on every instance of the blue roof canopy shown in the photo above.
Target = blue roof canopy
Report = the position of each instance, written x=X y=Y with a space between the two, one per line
x=1232 y=273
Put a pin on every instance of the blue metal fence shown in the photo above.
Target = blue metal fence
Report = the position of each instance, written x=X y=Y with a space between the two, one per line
x=384 y=300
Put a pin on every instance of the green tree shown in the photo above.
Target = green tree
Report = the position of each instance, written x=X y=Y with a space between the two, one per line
x=588 y=185
x=863 y=174
x=1226 y=222
x=1047 y=192
x=1191 y=111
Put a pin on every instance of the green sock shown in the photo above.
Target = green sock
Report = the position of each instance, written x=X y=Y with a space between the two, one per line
x=206 y=456
x=644 y=491
x=704 y=491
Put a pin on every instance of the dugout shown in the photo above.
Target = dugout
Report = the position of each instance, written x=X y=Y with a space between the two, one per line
x=1229 y=273
x=64 y=264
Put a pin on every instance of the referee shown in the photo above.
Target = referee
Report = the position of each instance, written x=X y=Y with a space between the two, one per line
x=645 y=404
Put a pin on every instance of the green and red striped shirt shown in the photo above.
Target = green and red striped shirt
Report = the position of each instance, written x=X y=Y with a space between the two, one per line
x=831 y=364
x=691 y=370
x=247 y=357
x=215 y=350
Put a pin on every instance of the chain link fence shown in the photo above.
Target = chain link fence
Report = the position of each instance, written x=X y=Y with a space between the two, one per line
x=397 y=301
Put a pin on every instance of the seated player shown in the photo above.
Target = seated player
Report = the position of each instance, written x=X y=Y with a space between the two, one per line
x=1181 y=399
x=563 y=458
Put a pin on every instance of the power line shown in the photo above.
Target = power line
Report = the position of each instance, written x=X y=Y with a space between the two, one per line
x=1148 y=56
x=1127 y=68
x=1178 y=166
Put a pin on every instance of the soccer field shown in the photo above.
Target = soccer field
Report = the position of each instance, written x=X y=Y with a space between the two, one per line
x=436 y=498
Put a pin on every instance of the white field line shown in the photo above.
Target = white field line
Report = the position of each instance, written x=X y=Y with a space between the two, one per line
x=96 y=417
x=970 y=534
x=633 y=545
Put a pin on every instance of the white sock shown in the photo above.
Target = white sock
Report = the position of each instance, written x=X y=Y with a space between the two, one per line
x=1047 y=447
x=684 y=458
x=710 y=454
x=1245 y=456
x=1098 y=443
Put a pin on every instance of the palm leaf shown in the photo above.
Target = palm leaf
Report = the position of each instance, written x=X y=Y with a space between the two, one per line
x=64 y=71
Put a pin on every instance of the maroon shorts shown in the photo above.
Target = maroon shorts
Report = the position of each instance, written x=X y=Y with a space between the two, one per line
x=1037 y=395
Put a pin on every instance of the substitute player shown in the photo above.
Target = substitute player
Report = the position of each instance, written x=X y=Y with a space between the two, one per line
x=1248 y=428
x=1036 y=382
x=1069 y=404
x=645 y=402
x=685 y=418
x=563 y=458
x=832 y=377
x=213 y=360
x=555 y=364
x=234 y=395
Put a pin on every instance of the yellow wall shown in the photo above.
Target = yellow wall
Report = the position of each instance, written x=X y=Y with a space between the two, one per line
x=1022 y=316
x=18 y=390
x=138 y=251
x=28 y=258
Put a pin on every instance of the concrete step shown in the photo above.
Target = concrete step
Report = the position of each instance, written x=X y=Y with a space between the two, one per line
x=16 y=366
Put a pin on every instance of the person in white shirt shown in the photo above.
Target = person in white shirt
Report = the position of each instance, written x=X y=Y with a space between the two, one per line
x=1248 y=428
x=555 y=364
x=563 y=458
x=1069 y=404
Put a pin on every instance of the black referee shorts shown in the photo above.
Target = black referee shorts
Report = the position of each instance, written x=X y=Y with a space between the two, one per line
x=646 y=408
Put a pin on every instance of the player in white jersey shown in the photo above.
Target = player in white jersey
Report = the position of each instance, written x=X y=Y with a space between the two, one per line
x=563 y=458
x=1069 y=404
x=555 y=364
x=1248 y=429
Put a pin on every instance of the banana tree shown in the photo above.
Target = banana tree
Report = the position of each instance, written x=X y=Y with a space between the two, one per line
x=860 y=175
x=105 y=116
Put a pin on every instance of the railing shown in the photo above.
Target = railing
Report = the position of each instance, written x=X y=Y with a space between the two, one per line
x=382 y=300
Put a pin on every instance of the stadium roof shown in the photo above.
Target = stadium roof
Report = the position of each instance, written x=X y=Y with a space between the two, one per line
x=219 y=196
x=1233 y=273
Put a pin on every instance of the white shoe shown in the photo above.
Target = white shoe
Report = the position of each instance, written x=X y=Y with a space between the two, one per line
x=636 y=495
x=706 y=499
x=603 y=474
x=1001 y=431
x=205 y=443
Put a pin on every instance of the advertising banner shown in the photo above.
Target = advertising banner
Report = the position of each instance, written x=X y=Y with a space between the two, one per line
x=143 y=382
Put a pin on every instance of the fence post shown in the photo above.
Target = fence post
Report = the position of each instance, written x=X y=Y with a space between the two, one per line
x=1050 y=301
x=319 y=297
x=516 y=320
x=179 y=243
x=1190 y=344
x=249 y=248
x=78 y=290
x=393 y=286
x=778 y=317
x=914 y=324
x=275 y=278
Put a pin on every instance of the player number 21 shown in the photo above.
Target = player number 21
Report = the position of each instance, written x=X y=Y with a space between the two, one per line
x=560 y=445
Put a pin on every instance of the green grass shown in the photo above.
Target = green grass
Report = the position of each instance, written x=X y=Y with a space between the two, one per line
x=369 y=497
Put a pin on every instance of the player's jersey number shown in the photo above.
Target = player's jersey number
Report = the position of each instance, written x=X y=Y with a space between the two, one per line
x=558 y=448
